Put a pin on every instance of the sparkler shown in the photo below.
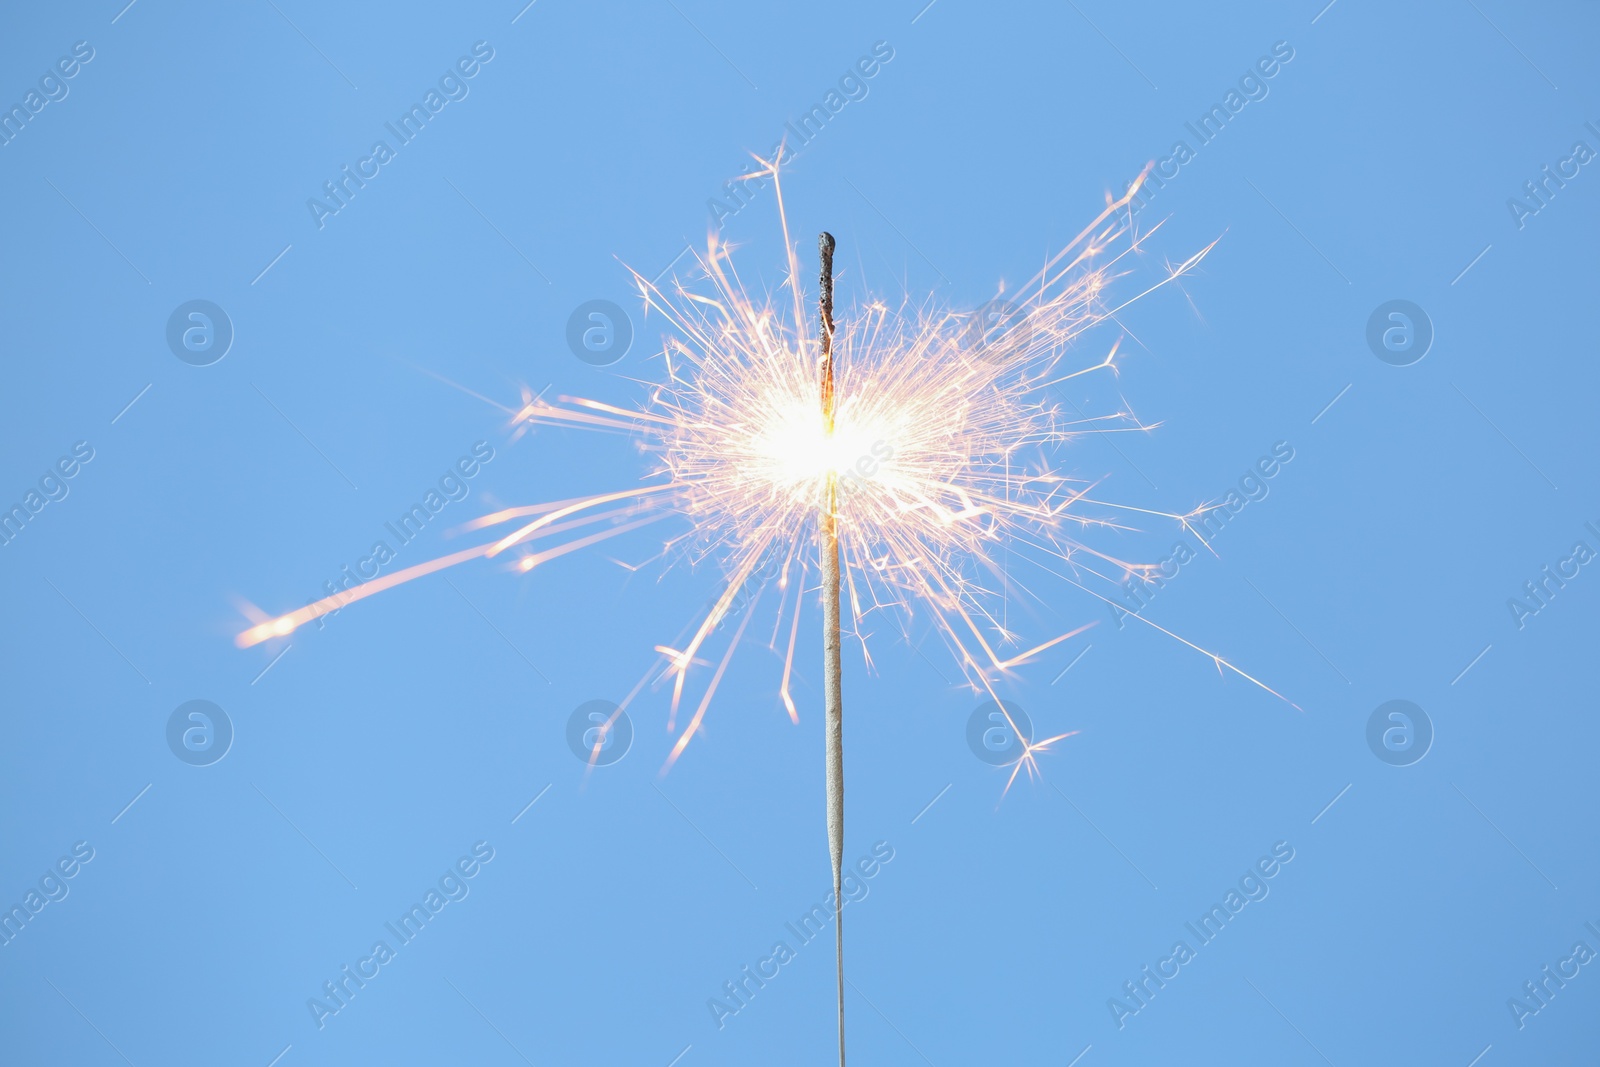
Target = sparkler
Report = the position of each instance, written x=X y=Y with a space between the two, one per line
x=906 y=443
x=832 y=675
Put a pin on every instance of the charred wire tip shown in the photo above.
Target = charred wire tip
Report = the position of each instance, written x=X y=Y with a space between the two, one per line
x=825 y=246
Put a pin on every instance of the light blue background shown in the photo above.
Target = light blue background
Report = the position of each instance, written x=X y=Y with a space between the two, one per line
x=379 y=749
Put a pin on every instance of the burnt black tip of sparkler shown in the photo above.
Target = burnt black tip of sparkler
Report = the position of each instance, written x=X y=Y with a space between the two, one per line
x=825 y=301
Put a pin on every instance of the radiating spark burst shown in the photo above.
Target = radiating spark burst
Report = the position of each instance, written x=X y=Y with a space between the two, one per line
x=942 y=445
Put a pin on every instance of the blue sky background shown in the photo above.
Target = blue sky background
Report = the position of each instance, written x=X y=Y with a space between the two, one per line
x=380 y=748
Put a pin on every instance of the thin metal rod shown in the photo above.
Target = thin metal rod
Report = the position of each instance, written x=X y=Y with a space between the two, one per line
x=833 y=729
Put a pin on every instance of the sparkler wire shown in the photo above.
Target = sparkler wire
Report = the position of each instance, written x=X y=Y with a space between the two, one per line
x=833 y=688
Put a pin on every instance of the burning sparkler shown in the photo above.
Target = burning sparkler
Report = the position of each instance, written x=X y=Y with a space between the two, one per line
x=908 y=444
x=832 y=675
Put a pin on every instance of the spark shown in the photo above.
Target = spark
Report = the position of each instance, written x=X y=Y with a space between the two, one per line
x=938 y=448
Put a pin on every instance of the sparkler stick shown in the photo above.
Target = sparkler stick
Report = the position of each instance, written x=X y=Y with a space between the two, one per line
x=833 y=688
